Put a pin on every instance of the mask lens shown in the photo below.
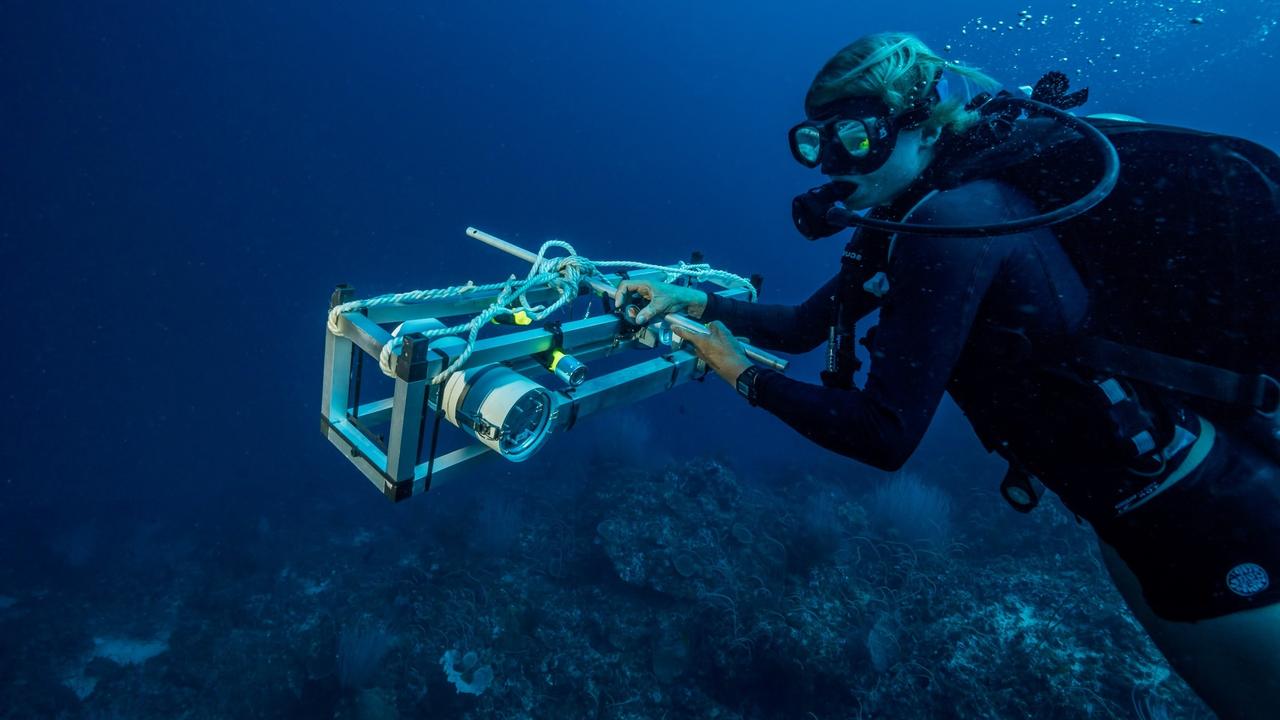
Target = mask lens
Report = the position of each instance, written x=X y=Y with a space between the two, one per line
x=853 y=135
x=806 y=145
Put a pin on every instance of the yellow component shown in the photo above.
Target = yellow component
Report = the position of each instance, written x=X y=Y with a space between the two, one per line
x=520 y=317
x=555 y=359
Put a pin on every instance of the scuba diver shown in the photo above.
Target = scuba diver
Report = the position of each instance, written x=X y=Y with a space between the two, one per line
x=1096 y=296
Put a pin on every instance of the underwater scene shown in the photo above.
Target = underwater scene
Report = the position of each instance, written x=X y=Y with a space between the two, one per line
x=641 y=361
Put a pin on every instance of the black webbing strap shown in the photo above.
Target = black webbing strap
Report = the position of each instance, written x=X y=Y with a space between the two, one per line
x=438 y=391
x=435 y=435
x=557 y=338
x=1260 y=392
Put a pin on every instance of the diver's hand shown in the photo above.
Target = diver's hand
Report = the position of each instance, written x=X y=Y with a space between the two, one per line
x=719 y=348
x=663 y=298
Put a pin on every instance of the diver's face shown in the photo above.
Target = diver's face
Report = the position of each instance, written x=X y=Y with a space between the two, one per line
x=910 y=157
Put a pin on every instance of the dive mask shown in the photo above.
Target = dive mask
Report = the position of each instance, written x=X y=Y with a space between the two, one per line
x=853 y=136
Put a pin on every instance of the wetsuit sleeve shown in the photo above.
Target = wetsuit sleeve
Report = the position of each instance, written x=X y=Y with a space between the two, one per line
x=784 y=328
x=936 y=287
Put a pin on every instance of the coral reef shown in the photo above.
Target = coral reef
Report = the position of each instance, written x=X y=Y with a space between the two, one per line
x=680 y=593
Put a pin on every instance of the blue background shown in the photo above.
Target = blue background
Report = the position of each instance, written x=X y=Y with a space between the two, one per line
x=182 y=185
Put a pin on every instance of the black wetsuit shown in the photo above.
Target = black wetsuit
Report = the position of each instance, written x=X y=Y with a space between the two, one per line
x=943 y=294
x=946 y=322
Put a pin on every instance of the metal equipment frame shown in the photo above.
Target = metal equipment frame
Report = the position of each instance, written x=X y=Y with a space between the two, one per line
x=412 y=410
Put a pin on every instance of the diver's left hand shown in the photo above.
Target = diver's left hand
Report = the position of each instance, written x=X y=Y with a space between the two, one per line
x=720 y=349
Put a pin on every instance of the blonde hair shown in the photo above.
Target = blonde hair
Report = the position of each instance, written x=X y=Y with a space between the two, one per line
x=901 y=70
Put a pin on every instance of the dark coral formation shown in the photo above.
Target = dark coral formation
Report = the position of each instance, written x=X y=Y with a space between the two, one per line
x=683 y=593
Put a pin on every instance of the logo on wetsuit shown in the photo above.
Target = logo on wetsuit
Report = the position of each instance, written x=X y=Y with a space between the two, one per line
x=1247 y=579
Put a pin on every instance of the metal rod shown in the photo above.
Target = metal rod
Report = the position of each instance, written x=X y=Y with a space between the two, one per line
x=502 y=245
x=763 y=357
x=604 y=288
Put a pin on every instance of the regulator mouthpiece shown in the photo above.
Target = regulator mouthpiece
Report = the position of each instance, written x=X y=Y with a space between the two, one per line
x=809 y=210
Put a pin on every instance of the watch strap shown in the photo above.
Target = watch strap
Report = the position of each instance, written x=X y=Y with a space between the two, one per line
x=746 y=384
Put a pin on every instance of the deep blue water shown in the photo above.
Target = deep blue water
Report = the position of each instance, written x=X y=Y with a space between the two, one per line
x=183 y=184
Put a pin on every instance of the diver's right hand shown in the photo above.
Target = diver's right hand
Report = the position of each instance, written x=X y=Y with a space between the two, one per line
x=663 y=298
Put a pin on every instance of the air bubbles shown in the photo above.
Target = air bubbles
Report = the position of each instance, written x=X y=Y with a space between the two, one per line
x=1026 y=19
x=1127 y=35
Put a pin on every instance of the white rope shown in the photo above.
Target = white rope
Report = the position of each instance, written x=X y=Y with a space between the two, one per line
x=564 y=274
x=699 y=272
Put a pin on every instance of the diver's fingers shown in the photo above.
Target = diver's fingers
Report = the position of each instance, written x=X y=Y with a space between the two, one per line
x=657 y=306
x=641 y=286
x=622 y=289
x=692 y=338
x=721 y=333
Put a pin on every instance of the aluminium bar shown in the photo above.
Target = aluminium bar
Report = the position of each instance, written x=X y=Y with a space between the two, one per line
x=629 y=385
x=337 y=370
